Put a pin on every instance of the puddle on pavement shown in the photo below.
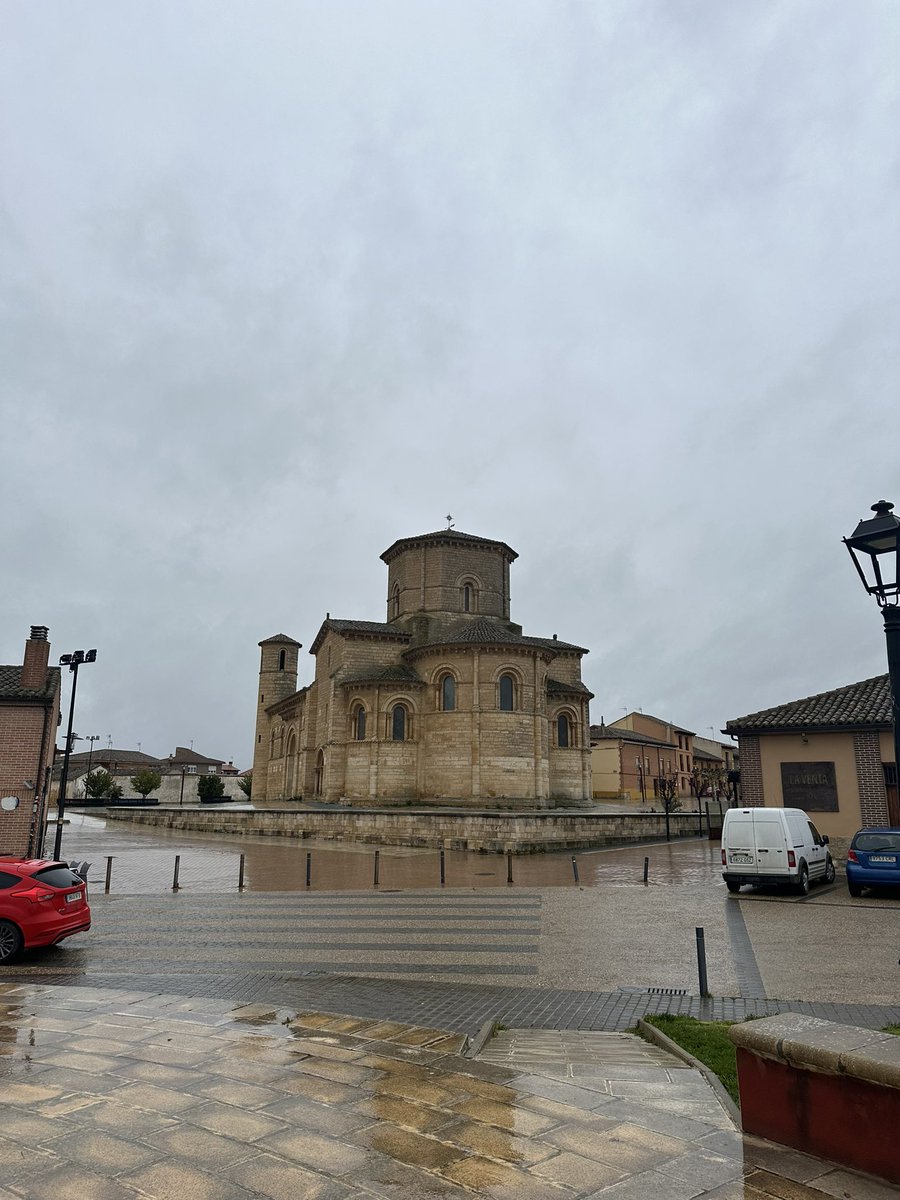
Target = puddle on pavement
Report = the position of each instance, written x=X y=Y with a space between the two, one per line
x=144 y=863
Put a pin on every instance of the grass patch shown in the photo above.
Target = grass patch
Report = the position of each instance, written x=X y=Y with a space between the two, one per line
x=892 y=1029
x=706 y=1040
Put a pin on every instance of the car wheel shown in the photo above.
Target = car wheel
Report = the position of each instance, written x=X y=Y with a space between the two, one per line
x=803 y=880
x=10 y=941
x=829 y=871
x=732 y=885
x=854 y=889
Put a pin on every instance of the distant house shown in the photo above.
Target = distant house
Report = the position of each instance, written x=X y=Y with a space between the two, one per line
x=29 y=714
x=626 y=765
x=831 y=754
x=192 y=763
x=123 y=764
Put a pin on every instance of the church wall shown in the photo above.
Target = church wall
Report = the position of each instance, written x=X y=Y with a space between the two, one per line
x=430 y=578
x=566 y=668
x=567 y=773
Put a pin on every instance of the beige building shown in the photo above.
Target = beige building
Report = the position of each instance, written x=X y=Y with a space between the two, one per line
x=445 y=701
x=626 y=765
x=831 y=754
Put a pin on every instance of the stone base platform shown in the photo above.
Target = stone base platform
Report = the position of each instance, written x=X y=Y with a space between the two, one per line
x=489 y=831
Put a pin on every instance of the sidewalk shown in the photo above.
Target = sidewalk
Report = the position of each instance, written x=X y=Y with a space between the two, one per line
x=115 y=1095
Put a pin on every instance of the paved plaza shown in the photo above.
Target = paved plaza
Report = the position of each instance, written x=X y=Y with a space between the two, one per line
x=113 y=1095
x=305 y=1041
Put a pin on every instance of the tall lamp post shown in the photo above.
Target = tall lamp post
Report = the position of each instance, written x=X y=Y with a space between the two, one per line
x=874 y=547
x=73 y=662
x=91 y=737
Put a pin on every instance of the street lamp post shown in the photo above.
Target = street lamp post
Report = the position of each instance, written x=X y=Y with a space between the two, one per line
x=875 y=549
x=73 y=662
x=92 y=737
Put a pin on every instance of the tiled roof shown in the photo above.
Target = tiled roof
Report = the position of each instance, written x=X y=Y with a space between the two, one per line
x=11 y=685
x=279 y=639
x=554 y=644
x=446 y=537
x=365 y=628
x=183 y=754
x=701 y=755
x=556 y=686
x=485 y=631
x=857 y=704
x=612 y=733
x=398 y=673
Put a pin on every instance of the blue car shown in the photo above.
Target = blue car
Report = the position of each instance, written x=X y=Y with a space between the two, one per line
x=873 y=860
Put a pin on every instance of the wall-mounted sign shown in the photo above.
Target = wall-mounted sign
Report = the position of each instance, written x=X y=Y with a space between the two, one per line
x=9 y=803
x=810 y=786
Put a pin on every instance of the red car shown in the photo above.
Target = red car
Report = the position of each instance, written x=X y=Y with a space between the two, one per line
x=41 y=902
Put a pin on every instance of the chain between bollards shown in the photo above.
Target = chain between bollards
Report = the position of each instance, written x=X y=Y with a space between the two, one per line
x=308 y=868
x=241 y=875
x=376 y=867
x=701 y=960
x=575 y=868
x=109 y=862
x=175 y=876
x=443 y=871
x=646 y=869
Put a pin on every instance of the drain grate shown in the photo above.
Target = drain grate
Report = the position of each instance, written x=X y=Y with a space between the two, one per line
x=666 y=991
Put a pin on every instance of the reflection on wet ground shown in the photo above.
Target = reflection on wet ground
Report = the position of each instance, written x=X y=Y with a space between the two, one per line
x=144 y=863
x=116 y=1095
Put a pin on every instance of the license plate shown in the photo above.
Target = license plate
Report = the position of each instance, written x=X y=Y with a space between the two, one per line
x=741 y=858
x=73 y=896
x=889 y=858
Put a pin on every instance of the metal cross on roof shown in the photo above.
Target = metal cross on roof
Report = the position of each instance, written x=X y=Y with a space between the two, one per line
x=449 y=520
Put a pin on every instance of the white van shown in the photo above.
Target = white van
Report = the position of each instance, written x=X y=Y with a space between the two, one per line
x=778 y=846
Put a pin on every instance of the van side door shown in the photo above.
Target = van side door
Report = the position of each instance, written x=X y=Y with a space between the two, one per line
x=818 y=854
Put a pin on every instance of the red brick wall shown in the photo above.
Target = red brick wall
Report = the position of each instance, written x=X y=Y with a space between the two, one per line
x=21 y=726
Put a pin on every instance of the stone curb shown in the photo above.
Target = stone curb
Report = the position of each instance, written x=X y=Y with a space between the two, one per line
x=651 y=1034
x=474 y=1045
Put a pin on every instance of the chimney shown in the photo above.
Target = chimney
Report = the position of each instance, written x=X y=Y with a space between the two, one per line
x=37 y=655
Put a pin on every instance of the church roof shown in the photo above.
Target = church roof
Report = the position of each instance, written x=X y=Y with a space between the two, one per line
x=279 y=639
x=857 y=704
x=359 y=628
x=558 y=687
x=488 y=632
x=397 y=673
x=446 y=537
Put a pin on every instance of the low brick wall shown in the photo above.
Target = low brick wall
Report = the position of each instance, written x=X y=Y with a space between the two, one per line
x=490 y=831
x=826 y=1089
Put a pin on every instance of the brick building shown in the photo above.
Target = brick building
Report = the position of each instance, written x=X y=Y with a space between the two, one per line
x=29 y=715
x=831 y=754
x=446 y=700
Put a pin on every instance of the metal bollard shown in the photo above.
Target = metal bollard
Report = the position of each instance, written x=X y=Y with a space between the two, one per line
x=109 y=859
x=241 y=875
x=376 y=867
x=443 y=873
x=308 y=867
x=701 y=961
x=175 y=876
x=646 y=869
x=509 y=877
x=575 y=868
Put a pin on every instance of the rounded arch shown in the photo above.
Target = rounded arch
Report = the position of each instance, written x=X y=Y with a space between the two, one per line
x=319 y=776
x=565 y=729
x=394 y=602
x=358 y=719
x=446 y=685
x=282 y=655
x=470 y=588
x=399 y=719
x=508 y=681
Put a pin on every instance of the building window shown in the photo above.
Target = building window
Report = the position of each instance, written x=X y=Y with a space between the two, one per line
x=398 y=723
x=507 y=693
x=395 y=601
x=193 y=770
x=890 y=774
x=468 y=598
x=281 y=654
x=448 y=693
x=359 y=724
x=563 y=732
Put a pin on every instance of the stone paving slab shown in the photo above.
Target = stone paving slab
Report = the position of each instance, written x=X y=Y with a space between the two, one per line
x=260 y=1114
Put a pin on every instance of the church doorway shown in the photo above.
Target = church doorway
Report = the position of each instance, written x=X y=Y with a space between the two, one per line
x=320 y=773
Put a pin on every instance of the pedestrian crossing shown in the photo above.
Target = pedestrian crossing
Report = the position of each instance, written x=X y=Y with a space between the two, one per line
x=476 y=938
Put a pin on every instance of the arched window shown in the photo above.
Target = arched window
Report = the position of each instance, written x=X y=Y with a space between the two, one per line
x=398 y=723
x=281 y=654
x=563 y=732
x=467 y=597
x=359 y=723
x=507 y=693
x=448 y=693
x=395 y=600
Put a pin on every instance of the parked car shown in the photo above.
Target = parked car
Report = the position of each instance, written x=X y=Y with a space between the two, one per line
x=873 y=860
x=778 y=846
x=41 y=902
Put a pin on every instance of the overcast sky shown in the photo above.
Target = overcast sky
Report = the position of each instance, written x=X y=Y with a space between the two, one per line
x=614 y=282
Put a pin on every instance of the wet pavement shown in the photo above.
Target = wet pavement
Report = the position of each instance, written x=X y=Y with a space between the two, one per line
x=114 y=1095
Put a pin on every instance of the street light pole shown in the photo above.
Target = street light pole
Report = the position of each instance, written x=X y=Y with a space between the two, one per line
x=73 y=661
x=92 y=737
x=875 y=549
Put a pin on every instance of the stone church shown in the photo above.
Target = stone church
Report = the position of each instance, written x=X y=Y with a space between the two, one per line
x=446 y=701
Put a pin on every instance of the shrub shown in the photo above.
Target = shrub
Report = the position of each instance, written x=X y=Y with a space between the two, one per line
x=210 y=787
x=146 y=781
